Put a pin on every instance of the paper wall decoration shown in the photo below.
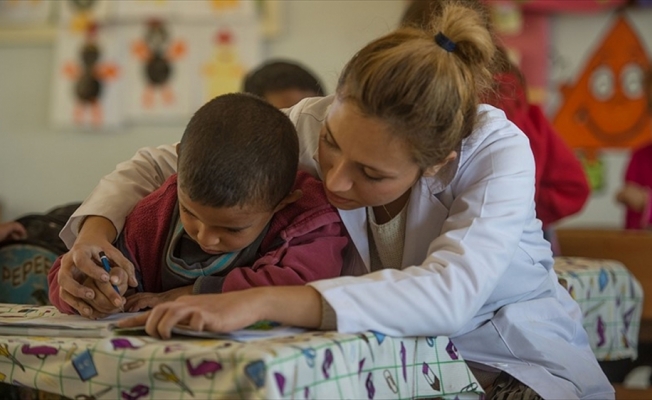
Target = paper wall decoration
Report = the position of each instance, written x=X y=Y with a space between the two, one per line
x=166 y=58
x=223 y=54
x=157 y=70
x=85 y=89
x=77 y=15
x=605 y=107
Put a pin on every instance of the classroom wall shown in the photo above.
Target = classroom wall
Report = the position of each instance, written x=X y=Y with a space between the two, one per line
x=41 y=168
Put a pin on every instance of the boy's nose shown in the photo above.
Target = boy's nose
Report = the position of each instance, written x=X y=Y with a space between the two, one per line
x=207 y=239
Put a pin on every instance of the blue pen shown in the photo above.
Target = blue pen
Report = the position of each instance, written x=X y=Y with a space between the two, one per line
x=107 y=267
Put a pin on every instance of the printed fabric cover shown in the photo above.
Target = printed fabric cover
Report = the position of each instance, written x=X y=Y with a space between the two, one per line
x=611 y=300
x=309 y=365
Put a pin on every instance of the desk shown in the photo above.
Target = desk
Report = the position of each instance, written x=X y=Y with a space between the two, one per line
x=309 y=365
x=611 y=300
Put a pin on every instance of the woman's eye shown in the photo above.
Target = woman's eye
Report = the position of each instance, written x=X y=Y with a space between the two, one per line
x=328 y=143
x=372 y=178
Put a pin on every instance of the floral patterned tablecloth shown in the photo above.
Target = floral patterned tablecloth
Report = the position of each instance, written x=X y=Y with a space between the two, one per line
x=611 y=300
x=308 y=365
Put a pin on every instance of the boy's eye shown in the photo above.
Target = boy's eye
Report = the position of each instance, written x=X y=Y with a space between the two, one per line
x=234 y=230
x=185 y=211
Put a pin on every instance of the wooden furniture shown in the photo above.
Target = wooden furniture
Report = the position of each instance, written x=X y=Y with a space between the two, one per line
x=611 y=300
x=632 y=248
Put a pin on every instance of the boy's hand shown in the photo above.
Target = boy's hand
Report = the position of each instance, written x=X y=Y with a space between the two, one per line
x=141 y=301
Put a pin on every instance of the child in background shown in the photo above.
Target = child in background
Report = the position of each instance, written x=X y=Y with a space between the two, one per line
x=237 y=214
x=282 y=83
x=561 y=185
x=636 y=194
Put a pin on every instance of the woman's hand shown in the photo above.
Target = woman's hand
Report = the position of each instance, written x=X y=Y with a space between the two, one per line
x=226 y=312
x=211 y=312
x=82 y=263
x=12 y=231
x=140 y=301
x=101 y=305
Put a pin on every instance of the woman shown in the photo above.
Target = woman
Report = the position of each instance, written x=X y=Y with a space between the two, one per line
x=437 y=194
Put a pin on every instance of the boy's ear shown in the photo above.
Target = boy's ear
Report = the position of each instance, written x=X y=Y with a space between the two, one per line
x=432 y=171
x=289 y=199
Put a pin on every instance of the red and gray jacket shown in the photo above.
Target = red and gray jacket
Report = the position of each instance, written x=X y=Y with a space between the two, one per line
x=305 y=242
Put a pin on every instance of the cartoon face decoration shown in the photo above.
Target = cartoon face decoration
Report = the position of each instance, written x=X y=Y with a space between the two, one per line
x=607 y=107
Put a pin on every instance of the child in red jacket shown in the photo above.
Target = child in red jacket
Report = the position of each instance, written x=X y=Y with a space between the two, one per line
x=561 y=185
x=237 y=215
x=636 y=193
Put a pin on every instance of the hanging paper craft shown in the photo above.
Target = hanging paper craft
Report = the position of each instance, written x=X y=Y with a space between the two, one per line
x=157 y=71
x=85 y=93
x=224 y=55
x=78 y=15
x=606 y=106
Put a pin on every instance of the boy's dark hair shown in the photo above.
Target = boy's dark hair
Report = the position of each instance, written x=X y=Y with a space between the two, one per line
x=238 y=150
x=281 y=75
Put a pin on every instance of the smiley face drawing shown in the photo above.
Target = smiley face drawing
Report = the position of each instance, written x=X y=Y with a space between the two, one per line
x=607 y=107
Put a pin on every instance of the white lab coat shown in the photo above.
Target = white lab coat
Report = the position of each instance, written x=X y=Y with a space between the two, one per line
x=475 y=265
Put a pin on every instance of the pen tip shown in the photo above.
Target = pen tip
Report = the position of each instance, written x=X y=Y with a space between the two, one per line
x=102 y=254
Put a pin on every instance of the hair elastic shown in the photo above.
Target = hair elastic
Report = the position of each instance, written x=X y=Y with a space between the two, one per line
x=444 y=42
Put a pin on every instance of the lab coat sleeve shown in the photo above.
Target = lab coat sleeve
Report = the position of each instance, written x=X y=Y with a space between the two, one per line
x=118 y=192
x=493 y=194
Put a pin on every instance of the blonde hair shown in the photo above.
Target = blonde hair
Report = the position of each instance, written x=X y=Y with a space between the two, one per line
x=426 y=94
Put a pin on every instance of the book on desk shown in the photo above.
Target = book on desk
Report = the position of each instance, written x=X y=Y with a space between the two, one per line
x=31 y=320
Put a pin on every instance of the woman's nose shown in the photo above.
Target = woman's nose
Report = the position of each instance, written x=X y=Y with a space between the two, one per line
x=338 y=179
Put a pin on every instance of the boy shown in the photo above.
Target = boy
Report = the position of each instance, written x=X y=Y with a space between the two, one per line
x=282 y=83
x=234 y=217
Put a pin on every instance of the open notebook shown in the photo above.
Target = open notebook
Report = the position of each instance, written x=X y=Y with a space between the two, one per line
x=28 y=320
